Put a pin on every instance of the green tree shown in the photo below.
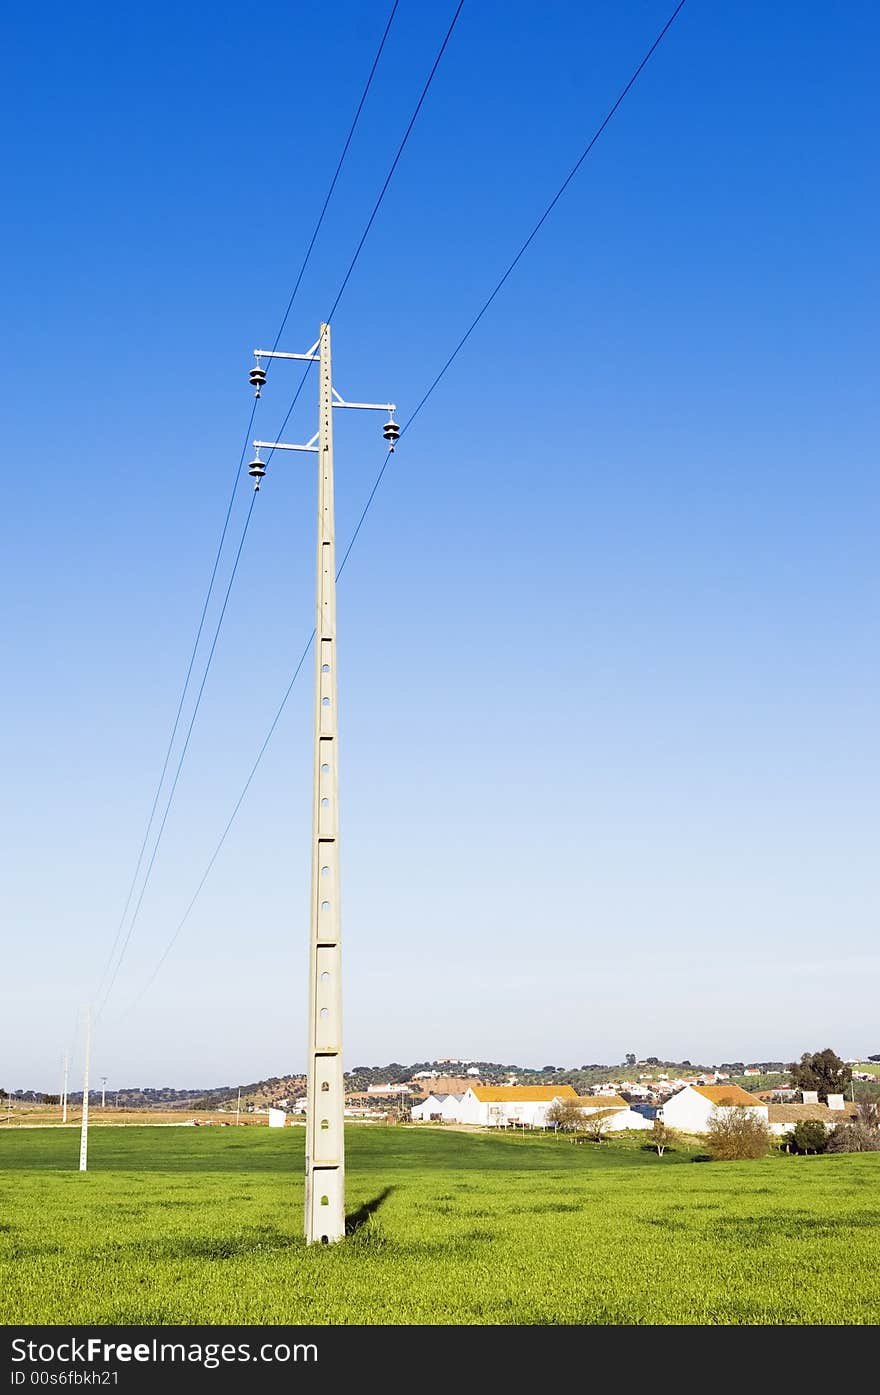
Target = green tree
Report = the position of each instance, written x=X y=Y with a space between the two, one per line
x=661 y=1137
x=809 y=1136
x=822 y=1071
x=735 y=1132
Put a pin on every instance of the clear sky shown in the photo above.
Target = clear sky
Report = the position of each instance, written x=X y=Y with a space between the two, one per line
x=608 y=639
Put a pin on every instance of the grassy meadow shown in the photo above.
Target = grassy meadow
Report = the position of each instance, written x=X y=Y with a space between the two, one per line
x=177 y=1225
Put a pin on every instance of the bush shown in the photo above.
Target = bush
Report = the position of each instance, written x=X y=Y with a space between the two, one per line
x=808 y=1136
x=735 y=1132
x=857 y=1137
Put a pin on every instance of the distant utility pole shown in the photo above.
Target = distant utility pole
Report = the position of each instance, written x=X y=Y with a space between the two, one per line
x=64 y=1088
x=325 y=1157
x=84 y=1127
x=103 y=1090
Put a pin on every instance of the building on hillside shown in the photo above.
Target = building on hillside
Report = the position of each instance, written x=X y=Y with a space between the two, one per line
x=783 y=1117
x=619 y=1115
x=692 y=1108
x=388 y=1089
x=498 y=1106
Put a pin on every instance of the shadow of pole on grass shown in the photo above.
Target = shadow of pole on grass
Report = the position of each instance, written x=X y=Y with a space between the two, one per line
x=358 y=1218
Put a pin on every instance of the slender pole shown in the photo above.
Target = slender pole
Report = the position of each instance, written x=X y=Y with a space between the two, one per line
x=84 y=1128
x=238 y=1109
x=103 y=1091
x=325 y=1159
x=64 y=1089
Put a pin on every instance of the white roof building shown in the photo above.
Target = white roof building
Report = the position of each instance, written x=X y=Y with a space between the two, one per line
x=500 y=1106
x=693 y=1107
x=438 y=1108
x=618 y=1114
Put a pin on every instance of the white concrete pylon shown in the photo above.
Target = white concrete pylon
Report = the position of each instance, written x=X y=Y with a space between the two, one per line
x=84 y=1127
x=325 y=1147
x=325 y=1103
x=64 y=1089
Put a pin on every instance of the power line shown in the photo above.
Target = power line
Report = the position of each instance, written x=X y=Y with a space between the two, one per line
x=209 y=593
x=336 y=173
x=183 y=693
x=410 y=420
x=216 y=853
x=376 y=206
x=181 y=759
x=394 y=162
x=549 y=209
x=345 y=280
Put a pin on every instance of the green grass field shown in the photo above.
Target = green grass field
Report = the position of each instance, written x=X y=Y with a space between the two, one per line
x=203 y=1226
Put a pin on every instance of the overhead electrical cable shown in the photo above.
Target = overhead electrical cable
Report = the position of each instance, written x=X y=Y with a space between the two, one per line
x=235 y=479
x=421 y=403
x=376 y=206
x=183 y=693
x=126 y=940
x=336 y=174
x=181 y=758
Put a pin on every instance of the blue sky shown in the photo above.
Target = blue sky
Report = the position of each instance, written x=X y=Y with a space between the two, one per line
x=608 y=652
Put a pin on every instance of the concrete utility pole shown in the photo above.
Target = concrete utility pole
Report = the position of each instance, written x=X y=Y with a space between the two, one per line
x=64 y=1089
x=84 y=1127
x=325 y=1149
x=103 y=1091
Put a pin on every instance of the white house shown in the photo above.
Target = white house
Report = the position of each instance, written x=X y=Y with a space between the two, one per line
x=784 y=1117
x=619 y=1114
x=498 y=1106
x=691 y=1109
x=450 y=1108
x=437 y=1108
x=277 y=1118
x=429 y=1106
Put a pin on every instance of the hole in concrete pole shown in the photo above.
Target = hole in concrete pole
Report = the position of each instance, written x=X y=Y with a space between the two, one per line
x=325 y=1201
x=325 y=702
x=325 y=976
x=325 y=770
x=325 y=1012
x=325 y=905
x=325 y=1240
x=325 y=668
x=325 y=1123
x=325 y=871
x=325 y=803
x=325 y=1085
